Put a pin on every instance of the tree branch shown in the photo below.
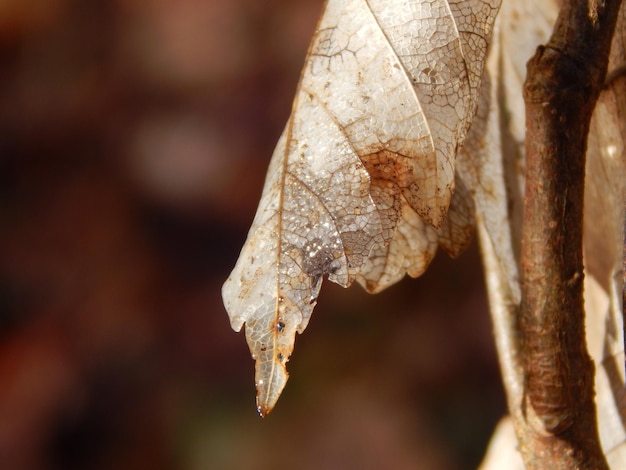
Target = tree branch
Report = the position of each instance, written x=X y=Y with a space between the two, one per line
x=563 y=82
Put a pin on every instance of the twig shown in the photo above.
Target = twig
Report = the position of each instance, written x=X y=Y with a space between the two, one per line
x=564 y=80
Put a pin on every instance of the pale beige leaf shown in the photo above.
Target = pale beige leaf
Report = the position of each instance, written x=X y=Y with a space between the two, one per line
x=364 y=171
x=399 y=76
x=315 y=218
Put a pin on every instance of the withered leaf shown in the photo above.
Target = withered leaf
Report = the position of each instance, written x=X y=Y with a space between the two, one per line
x=362 y=177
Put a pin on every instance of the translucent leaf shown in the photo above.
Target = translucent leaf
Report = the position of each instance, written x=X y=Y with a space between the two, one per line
x=361 y=180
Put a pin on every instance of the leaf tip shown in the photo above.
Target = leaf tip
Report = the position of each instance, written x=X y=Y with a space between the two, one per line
x=269 y=391
x=263 y=411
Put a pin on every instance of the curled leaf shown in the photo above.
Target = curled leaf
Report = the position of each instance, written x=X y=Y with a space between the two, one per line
x=362 y=177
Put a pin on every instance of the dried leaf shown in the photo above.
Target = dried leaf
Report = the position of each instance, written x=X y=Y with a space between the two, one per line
x=361 y=180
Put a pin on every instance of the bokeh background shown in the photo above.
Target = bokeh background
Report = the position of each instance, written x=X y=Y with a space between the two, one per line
x=134 y=138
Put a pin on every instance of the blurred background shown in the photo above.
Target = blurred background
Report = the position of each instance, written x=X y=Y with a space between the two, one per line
x=134 y=139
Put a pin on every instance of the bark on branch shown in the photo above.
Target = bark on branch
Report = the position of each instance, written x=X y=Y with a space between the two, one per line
x=563 y=82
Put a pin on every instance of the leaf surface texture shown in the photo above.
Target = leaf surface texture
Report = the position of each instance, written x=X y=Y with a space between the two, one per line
x=361 y=185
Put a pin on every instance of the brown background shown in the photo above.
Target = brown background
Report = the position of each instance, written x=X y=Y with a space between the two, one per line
x=134 y=138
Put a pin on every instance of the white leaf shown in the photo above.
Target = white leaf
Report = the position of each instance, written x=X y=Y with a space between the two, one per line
x=361 y=180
